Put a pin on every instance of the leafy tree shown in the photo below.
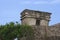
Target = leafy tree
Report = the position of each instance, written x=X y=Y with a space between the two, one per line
x=12 y=30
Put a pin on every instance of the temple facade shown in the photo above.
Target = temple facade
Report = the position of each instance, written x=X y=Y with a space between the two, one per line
x=39 y=21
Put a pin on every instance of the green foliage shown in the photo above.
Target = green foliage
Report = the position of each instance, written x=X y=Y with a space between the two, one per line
x=11 y=31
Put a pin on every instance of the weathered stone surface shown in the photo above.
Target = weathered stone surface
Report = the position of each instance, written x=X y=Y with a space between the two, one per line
x=30 y=17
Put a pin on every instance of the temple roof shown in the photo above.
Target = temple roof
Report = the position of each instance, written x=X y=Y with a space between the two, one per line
x=28 y=10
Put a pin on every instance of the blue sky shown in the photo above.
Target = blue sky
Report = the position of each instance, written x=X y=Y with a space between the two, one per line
x=10 y=9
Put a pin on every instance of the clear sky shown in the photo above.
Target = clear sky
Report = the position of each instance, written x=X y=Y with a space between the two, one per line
x=10 y=9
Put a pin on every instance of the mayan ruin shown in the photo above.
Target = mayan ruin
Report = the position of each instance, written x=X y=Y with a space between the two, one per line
x=39 y=21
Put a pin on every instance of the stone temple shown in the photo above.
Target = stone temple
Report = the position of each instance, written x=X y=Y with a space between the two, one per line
x=39 y=21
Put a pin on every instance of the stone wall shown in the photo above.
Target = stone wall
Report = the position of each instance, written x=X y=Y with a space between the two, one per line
x=41 y=33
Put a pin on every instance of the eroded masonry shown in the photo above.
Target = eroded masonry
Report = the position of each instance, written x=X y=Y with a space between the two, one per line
x=39 y=21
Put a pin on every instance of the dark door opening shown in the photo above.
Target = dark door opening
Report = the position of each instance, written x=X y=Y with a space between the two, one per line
x=37 y=22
